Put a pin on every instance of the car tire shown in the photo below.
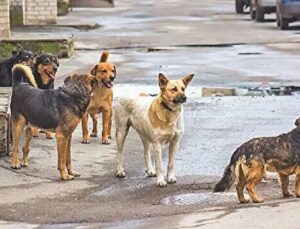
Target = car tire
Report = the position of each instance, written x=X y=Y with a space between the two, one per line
x=252 y=12
x=239 y=6
x=260 y=14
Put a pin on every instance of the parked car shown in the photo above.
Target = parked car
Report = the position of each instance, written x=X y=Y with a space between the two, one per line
x=240 y=5
x=287 y=11
x=258 y=9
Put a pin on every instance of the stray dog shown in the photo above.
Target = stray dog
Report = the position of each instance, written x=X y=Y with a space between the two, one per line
x=44 y=70
x=56 y=110
x=101 y=100
x=158 y=121
x=279 y=154
x=22 y=57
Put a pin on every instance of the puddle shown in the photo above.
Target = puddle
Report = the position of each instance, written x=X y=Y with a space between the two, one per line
x=199 y=198
x=249 y=53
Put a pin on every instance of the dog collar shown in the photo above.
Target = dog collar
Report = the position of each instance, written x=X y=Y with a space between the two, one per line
x=164 y=105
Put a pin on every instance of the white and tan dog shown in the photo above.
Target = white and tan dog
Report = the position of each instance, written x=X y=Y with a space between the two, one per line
x=159 y=121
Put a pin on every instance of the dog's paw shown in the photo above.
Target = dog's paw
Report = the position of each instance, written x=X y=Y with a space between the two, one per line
x=67 y=177
x=244 y=201
x=35 y=134
x=109 y=137
x=287 y=194
x=172 y=179
x=15 y=164
x=161 y=183
x=85 y=141
x=151 y=173
x=74 y=173
x=121 y=173
x=24 y=163
x=93 y=135
x=105 y=141
x=49 y=135
x=258 y=200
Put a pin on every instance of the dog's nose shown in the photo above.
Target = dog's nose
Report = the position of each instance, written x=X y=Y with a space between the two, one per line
x=54 y=68
x=183 y=98
x=112 y=78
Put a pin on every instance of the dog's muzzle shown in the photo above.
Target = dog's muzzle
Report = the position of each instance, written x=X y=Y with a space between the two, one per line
x=180 y=99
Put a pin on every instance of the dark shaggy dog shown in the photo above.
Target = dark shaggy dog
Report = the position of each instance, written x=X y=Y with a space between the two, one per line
x=22 y=57
x=44 y=70
x=57 y=110
x=279 y=154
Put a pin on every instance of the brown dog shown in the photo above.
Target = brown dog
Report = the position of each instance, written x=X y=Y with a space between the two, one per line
x=279 y=154
x=101 y=100
x=61 y=114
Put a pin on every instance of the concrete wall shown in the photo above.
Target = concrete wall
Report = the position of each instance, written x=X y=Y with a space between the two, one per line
x=4 y=19
x=14 y=3
x=40 y=12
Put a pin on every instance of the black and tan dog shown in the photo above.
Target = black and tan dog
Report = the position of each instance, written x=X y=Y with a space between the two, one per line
x=22 y=57
x=101 y=100
x=44 y=70
x=56 y=110
x=248 y=163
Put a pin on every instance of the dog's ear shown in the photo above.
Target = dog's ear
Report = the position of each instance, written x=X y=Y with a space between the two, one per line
x=162 y=80
x=67 y=79
x=14 y=53
x=187 y=79
x=94 y=70
x=115 y=71
x=104 y=56
x=297 y=122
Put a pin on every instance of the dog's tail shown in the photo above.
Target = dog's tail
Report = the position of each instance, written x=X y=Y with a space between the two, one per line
x=22 y=73
x=104 y=56
x=229 y=175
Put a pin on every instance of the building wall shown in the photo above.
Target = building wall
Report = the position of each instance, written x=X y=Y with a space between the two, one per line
x=40 y=12
x=4 y=19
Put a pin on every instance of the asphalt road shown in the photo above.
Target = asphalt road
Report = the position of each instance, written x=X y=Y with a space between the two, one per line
x=178 y=38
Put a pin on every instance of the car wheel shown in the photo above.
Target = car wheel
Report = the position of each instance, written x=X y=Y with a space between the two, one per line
x=260 y=14
x=252 y=12
x=283 y=23
x=239 y=6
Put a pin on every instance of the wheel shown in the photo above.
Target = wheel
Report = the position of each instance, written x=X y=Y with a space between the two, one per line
x=260 y=14
x=282 y=22
x=252 y=12
x=239 y=6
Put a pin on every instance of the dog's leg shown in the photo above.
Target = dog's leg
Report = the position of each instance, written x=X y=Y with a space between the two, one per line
x=159 y=165
x=241 y=185
x=254 y=176
x=172 y=151
x=49 y=135
x=95 y=124
x=69 y=160
x=18 y=126
x=284 y=183
x=35 y=132
x=110 y=124
x=149 y=168
x=121 y=133
x=62 y=145
x=297 y=185
x=105 y=127
x=25 y=149
x=85 y=130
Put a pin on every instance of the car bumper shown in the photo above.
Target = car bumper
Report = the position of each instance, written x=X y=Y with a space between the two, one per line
x=290 y=10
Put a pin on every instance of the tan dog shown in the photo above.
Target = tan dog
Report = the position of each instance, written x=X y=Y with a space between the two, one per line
x=101 y=100
x=159 y=121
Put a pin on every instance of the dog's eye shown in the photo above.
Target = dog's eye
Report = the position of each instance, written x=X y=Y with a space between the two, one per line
x=182 y=88
x=46 y=61
x=174 y=89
